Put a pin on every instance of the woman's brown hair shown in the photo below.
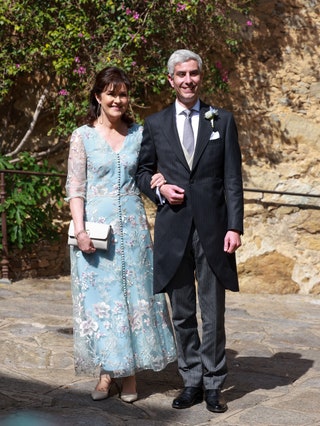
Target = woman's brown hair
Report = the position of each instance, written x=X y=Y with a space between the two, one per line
x=107 y=76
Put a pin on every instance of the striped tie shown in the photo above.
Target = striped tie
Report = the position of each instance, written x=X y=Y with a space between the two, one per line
x=188 y=136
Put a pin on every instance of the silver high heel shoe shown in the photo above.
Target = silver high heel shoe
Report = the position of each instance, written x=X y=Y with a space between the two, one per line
x=126 y=396
x=129 y=397
x=98 y=395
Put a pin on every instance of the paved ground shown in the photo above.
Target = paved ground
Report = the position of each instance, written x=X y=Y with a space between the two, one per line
x=273 y=356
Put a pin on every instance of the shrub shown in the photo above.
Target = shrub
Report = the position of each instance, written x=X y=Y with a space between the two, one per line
x=33 y=201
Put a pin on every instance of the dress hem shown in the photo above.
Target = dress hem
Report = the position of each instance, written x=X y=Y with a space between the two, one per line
x=96 y=372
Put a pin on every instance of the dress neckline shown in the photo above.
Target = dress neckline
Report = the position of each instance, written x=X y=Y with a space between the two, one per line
x=108 y=144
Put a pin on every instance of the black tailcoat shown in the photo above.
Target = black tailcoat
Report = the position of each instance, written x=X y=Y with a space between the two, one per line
x=213 y=192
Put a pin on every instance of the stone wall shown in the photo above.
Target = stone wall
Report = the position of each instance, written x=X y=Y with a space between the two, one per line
x=45 y=259
x=275 y=96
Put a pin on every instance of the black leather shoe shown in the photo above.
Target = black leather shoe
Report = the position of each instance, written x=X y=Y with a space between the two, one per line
x=188 y=397
x=215 y=401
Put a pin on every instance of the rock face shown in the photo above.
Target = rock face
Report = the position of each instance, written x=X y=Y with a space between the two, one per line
x=275 y=96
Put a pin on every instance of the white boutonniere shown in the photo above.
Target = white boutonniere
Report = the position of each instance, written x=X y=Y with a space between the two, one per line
x=211 y=115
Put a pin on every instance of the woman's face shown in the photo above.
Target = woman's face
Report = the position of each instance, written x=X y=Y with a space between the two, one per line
x=114 y=101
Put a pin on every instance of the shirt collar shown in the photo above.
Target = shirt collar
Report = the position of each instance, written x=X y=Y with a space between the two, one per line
x=180 y=108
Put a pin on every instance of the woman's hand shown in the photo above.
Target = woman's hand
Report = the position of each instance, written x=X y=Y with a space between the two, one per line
x=157 y=180
x=84 y=243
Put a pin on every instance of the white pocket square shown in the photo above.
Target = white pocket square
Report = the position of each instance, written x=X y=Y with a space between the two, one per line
x=214 y=135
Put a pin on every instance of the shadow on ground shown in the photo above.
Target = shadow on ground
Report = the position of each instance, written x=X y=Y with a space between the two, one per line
x=35 y=403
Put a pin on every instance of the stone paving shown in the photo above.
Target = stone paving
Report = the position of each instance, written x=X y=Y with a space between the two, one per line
x=273 y=356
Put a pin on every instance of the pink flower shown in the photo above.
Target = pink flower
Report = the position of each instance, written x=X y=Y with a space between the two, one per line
x=80 y=70
x=128 y=11
x=223 y=73
x=181 y=7
x=225 y=77
x=77 y=59
x=136 y=15
x=63 y=92
x=249 y=23
x=133 y=63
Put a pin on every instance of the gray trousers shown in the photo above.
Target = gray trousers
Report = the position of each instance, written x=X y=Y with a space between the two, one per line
x=201 y=362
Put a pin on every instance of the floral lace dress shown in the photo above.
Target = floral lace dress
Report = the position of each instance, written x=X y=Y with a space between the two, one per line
x=120 y=327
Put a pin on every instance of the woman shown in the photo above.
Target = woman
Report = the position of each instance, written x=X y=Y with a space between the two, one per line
x=119 y=326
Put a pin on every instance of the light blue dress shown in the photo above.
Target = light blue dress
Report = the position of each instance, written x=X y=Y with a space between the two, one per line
x=120 y=327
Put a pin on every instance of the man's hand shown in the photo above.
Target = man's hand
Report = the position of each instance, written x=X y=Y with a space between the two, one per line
x=232 y=241
x=172 y=193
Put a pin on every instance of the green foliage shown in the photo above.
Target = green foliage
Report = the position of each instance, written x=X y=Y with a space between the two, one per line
x=67 y=42
x=73 y=39
x=32 y=201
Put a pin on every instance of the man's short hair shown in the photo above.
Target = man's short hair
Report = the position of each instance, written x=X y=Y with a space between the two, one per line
x=182 y=55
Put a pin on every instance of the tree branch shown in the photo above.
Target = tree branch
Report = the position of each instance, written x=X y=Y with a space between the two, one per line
x=34 y=120
x=51 y=150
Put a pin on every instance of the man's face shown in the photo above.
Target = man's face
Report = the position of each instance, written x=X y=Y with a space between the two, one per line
x=186 y=81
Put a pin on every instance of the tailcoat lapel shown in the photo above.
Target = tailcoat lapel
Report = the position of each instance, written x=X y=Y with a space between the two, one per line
x=169 y=128
x=204 y=132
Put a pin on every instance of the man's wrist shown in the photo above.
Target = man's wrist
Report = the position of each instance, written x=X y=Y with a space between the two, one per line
x=235 y=230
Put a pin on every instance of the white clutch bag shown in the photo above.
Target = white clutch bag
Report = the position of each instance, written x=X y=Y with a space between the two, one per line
x=98 y=232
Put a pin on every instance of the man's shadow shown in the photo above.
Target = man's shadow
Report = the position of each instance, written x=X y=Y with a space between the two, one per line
x=249 y=373
x=246 y=374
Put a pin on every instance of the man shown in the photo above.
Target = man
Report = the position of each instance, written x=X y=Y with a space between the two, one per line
x=198 y=224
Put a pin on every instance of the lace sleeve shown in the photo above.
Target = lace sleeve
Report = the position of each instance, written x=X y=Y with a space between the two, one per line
x=77 y=168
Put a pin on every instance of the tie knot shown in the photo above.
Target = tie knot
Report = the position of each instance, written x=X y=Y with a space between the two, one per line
x=187 y=112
